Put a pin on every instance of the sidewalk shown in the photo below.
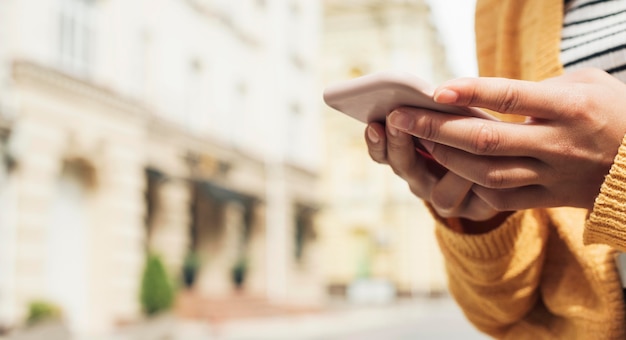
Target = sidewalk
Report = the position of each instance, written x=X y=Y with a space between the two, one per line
x=418 y=319
x=430 y=319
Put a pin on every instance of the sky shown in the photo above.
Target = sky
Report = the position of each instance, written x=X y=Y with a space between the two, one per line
x=455 y=21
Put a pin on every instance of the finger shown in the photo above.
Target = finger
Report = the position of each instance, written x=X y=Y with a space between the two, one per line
x=375 y=138
x=452 y=196
x=535 y=99
x=533 y=196
x=401 y=154
x=421 y=185
x=472 y=207
x=449 y=193
x=474 y=135
x=492 y=172
x=476 y=209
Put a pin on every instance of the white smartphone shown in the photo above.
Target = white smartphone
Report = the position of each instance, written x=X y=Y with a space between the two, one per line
x=372 y=97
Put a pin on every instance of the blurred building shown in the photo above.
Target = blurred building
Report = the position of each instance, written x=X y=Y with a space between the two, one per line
x=173 y=126
x=378 y=238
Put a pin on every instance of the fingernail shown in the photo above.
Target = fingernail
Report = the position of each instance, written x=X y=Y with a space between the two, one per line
x=392 y=130
x=446 y=96
x=400 y=120
x=428 y=145
x=372 y=135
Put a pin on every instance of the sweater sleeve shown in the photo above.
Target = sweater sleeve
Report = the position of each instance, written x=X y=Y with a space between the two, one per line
x=494 y=277
x=607 y=222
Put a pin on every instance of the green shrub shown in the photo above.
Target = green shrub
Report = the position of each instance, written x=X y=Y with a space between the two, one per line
x=40 y=310
x=157 y=292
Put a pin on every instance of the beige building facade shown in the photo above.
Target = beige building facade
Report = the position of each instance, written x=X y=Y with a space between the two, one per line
x=129 y=127
x=376 y=234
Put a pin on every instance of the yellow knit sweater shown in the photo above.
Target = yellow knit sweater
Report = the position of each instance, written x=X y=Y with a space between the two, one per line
x=544 y=273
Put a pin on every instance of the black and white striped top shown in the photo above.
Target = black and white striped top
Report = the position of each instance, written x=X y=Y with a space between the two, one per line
x=594 y=35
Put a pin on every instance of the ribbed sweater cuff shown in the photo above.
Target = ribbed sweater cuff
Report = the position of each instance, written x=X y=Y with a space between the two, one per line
x=607 y=222
x=492 y=245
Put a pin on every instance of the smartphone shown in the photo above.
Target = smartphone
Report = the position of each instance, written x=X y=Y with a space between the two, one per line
x=372 y=97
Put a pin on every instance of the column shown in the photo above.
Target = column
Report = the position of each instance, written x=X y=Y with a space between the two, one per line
x=170 y=230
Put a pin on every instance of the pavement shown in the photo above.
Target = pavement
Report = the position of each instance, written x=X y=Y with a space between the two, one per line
x=430 y=319
x=427 y=318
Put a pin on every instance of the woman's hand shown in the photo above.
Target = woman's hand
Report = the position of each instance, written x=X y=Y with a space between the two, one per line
x=558 y=157
x=449 y=194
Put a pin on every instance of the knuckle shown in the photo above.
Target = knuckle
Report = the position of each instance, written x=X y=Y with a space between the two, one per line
x=427 y=127
x=486 y=140
x=494 y=179
x=582 y=104
x=400 y=169
x=395 y=145
x=399 y=144
x=377 y=156
x=442 y=201
x=509 y=99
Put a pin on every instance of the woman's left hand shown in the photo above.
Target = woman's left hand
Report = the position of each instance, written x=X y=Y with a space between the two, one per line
x=558 y=157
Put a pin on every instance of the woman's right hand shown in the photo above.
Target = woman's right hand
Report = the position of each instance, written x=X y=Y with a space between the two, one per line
x=448 y=194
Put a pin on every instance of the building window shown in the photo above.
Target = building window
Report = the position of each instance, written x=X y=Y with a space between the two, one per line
x=304 y=233
x=76 y=35
x=194 y=119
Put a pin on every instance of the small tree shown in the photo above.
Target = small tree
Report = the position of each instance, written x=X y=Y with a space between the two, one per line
x=157 y=292
x=41 y=310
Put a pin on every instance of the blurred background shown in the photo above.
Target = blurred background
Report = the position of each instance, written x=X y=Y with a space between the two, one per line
x=168 y=170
